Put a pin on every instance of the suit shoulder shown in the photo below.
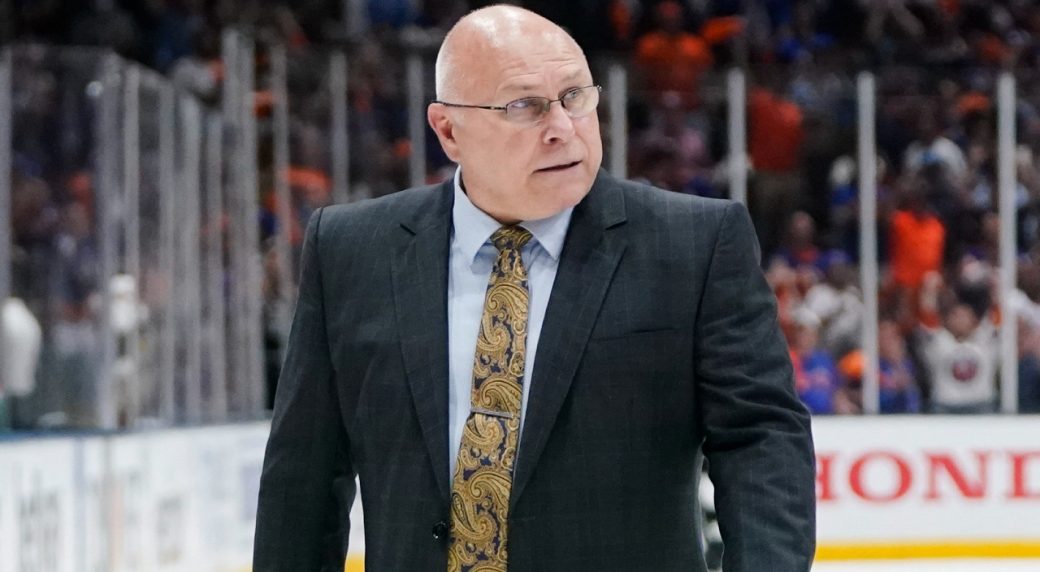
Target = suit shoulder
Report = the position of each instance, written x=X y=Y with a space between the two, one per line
x=668 y=205
x=374 y=216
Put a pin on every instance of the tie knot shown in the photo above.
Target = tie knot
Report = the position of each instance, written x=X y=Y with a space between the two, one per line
x=510 y=238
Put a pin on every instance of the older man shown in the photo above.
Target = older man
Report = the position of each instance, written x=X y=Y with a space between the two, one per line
x=523 y=365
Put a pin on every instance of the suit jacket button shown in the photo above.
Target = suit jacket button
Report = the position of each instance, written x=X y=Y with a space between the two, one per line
x=440 y=530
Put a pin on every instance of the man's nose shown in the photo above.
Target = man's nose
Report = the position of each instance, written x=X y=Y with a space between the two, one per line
x=558 y=125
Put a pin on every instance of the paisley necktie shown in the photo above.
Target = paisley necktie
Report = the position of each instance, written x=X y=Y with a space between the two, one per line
x=484 y=473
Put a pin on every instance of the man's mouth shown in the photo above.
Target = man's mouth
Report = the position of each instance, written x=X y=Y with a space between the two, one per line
x=560 y=167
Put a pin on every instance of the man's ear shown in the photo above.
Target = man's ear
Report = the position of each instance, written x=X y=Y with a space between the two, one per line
x=442 y=124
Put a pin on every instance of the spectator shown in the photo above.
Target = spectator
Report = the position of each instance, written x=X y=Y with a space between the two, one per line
x=783 y=280
x=201 y=72
x=672 y=153
x=799 y=248
x=71 y=373
x=890 y=23
x=798 y=36
x=917 y=239
x=961 y=356
x=843 y=203
x=838 y=303
x=1025 y=301
x=21 y=335
x=816 y=375
x=1028 y=368
x=671 y=59
x=774 y=142
x=899 y=392
x=933 y=148
x=177 y=22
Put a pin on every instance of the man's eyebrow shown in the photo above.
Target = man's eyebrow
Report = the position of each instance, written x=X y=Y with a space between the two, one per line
x=519 y=87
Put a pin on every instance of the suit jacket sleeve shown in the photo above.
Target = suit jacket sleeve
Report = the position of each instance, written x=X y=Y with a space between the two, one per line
x=307 y=484
x=757 y=433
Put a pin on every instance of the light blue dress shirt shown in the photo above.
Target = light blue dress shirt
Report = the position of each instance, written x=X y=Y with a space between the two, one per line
x=469 y=268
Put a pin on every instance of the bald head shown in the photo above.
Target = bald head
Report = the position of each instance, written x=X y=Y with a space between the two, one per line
x=519 y=166
x=480 y=40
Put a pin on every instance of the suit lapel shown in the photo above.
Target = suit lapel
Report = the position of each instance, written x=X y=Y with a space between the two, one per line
x=420 y=281
x=587 y=265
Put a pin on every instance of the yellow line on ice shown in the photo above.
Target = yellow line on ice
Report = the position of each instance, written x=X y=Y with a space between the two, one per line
x=928 y=550
x=879 y=551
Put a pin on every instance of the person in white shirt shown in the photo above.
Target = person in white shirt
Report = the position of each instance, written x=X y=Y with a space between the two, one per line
x=962 y=358
x=933 y=148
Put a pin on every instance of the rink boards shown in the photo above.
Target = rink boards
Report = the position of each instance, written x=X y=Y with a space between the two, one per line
x=156 y=501
x=923 y=487
x=887 y=488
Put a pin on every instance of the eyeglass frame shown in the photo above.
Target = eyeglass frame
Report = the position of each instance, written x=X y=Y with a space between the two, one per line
x=545 y=108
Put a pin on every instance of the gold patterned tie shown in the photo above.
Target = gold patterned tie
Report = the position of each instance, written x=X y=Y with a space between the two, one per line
x=484 y=473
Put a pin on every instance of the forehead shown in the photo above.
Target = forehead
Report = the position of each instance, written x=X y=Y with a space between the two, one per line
x=526 y=62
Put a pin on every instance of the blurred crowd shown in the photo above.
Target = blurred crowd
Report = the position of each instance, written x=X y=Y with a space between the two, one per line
x=936 y=61
x=937 y=65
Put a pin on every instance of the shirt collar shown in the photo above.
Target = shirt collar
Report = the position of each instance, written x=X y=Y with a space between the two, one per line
x=473 y=227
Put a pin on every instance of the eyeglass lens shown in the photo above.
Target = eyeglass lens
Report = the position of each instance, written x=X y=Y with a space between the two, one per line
x=576 y=103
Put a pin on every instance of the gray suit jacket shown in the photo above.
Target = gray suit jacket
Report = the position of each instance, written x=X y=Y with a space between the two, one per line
x=660 y=341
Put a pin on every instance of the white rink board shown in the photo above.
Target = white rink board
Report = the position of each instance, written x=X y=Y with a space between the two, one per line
x=159 y=501
x=928 y=480
x=39 y=502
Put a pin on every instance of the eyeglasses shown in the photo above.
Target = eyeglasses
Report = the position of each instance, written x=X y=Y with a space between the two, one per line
x=576 y=102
